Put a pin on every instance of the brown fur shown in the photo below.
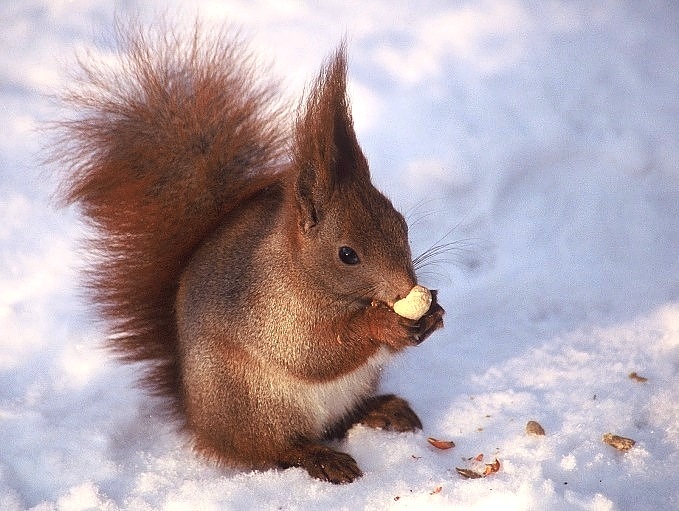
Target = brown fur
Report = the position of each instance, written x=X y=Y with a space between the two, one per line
x=218 y=250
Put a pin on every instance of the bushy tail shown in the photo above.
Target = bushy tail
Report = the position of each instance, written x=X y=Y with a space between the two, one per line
x=167 y=140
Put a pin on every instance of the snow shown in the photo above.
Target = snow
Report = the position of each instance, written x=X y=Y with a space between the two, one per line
x=540 y=139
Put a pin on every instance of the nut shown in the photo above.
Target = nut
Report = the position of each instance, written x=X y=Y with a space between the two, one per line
x=415 y=305
x=534 y=428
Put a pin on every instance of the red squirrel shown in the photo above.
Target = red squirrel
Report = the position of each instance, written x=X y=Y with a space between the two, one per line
x=248 y=260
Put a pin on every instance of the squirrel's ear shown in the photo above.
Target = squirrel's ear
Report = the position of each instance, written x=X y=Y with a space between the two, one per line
x=326 y=152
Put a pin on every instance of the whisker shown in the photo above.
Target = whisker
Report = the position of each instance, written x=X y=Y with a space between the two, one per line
x=414 y=220
x=437 y=276
x=455 y=252
x=464 y=246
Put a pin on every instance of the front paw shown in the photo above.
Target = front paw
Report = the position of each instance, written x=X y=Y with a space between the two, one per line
x=398 y=332
x=391 y=413
x=387 y=327
x=431 y=321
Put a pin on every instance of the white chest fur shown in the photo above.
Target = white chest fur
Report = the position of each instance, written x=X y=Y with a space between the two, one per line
x=328 y=402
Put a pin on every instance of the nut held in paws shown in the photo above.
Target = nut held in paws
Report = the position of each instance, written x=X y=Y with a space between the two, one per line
x=415 y=305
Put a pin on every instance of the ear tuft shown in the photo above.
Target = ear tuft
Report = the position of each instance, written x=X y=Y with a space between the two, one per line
x=326 y=152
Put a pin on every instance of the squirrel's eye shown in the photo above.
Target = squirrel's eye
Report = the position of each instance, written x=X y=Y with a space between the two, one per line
x=348 y=255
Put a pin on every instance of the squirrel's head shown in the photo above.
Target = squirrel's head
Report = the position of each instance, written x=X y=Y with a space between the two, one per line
x=349 y=235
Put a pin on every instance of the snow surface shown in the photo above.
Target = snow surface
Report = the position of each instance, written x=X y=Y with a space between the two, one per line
x=542 y=138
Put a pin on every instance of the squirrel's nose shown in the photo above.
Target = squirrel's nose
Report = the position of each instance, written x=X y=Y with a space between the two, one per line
x=399 y=290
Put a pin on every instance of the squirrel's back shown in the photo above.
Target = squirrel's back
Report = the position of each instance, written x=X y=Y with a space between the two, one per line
x=165 y=143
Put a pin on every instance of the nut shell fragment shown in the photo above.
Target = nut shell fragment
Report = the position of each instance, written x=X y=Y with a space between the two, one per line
x=634 y=376
x=486 y=470
x=491 y=468
x=534 y=428
x=415 y=305
x=441 y=444
x=468 y=473
x=619 y=442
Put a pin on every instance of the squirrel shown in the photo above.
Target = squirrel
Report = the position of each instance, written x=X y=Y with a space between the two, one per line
x=246 y=259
